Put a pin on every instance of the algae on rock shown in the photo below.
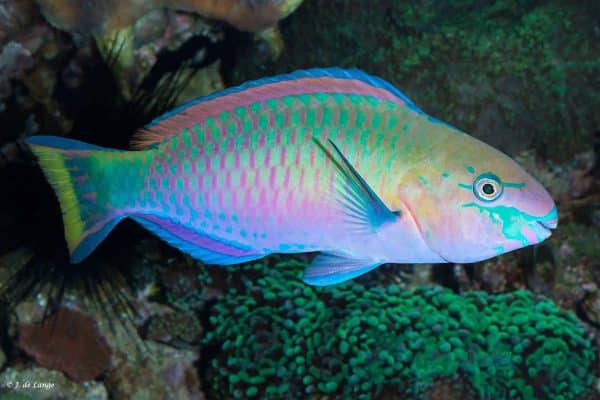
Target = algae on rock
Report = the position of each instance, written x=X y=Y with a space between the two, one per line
x=515 y=74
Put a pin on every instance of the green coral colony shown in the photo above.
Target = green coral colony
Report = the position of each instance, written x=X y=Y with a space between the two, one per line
x=278 y=337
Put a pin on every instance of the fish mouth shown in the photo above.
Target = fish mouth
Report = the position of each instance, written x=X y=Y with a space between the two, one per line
x=549 y=221
x=544 y=229
x=548 y=225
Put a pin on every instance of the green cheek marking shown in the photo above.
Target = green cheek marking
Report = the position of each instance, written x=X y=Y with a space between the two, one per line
x=445 y=175
x=513 y=220
x=512 y=185
x=471 y=169
x=423 y=180
x=516 y=185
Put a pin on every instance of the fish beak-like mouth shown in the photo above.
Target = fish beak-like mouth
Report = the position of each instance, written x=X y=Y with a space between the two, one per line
x=544 y=225
x=543 y=231
x=549 y=225
x=548 y=221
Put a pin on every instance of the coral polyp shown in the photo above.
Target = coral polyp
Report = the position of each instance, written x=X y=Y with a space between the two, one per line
x=275 y=337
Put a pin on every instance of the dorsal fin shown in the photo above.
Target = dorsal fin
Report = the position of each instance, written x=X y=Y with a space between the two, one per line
x=318 y=80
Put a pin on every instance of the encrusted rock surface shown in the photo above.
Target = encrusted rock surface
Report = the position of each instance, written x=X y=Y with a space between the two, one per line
x=42 y=384
x=161 y=372
x=68 y=341
x=109 y=15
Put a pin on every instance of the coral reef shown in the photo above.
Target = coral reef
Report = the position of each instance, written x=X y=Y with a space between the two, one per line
x=569 y=279
x=105 y=16
x=277 y=336
x=134 y=51
x=516 y=74
x=68 y=341
x=185 y=286
x=138 y=369
x=31 y=56
x=163 y=373
x=177 y=329
x=42 y=384
x=14 y=59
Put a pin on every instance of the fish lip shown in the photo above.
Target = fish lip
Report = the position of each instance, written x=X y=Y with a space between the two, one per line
x=548 y=224
x=545 y=228
x=549 y=221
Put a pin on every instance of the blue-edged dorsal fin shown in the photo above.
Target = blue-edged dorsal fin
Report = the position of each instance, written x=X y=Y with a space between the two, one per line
x=331 y=268
x=200 y=246
x=316 y=80
x=363 y=208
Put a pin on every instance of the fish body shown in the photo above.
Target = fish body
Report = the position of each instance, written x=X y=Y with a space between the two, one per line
x=328 y=160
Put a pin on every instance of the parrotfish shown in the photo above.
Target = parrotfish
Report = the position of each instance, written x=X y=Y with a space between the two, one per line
x=324 y=160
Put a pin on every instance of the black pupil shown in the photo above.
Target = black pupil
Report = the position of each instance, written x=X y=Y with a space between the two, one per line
x=488 y=189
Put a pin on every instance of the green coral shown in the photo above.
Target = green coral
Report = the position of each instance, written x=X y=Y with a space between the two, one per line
x=278 y=337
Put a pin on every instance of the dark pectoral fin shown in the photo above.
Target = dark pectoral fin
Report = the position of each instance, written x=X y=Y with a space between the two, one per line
x=363 y=208
x=329 y=269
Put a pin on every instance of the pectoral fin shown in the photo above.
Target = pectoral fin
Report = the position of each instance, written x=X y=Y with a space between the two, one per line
x=329 y=269
x=364 y=210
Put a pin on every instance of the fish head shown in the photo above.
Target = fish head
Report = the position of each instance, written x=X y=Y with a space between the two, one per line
x=479 y=203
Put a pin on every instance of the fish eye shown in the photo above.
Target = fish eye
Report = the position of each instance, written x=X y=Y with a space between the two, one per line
x=487 y=187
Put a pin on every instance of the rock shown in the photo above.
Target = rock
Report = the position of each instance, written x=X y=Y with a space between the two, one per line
x=43 y=384
x=68 y=341
x=580 y=177
x=273 y=42
x=200 y=83
x=178 y=329
x=14 y=15
x=186 y=283
x=166 y=373
x=133 y=51
x=590 y=305
x=499 y=274
x=447 y=389
x=2 y=359
x=14 y=59
x=106 y=16
x=30 y=59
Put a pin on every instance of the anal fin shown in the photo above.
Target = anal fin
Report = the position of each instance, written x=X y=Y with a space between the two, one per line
x=330 y=269
x=200 y=246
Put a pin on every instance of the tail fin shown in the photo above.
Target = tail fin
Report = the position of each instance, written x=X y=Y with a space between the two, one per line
x=74 y=172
